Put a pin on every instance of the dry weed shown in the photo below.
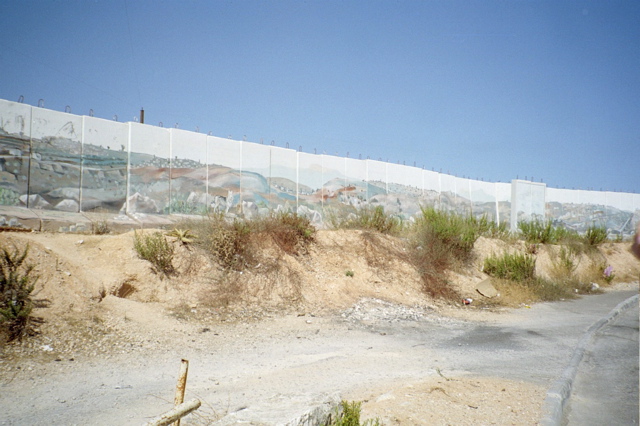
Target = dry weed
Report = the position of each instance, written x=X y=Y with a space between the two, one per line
x=432 y=257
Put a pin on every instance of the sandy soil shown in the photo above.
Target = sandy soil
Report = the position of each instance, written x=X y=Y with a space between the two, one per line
x=98 y=300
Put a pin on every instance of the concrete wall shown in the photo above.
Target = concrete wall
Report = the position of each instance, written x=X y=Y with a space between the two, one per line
x=54 y=161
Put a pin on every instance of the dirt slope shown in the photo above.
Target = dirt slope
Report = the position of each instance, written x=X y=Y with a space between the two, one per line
x=84 y=278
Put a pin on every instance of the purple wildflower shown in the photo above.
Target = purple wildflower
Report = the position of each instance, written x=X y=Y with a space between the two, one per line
x=608 y=271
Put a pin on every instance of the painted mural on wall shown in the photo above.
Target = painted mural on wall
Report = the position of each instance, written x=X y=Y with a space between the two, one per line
x=57 y=161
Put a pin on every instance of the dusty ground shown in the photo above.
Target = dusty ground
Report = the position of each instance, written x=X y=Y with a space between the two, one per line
x=98 y=299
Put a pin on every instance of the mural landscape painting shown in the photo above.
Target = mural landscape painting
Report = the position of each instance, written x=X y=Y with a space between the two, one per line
x=57 y=161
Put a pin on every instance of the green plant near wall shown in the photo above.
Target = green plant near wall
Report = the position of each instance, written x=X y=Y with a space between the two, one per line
x=155 y=249
x=457 y=232
x=185 y=236
x=440 y=241
x=595 y=235
x=367 y=218
x=17 y=282
x=376 y=219
x=538 y=232
x=497 y=230
x=515 y=267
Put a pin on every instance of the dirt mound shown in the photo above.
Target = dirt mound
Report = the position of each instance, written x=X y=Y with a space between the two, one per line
x=84 y=279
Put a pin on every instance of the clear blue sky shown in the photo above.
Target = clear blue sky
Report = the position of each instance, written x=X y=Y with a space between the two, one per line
x=482 y=89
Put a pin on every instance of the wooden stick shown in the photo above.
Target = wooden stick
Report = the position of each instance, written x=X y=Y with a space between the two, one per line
x=175 y=413
x=182 y=385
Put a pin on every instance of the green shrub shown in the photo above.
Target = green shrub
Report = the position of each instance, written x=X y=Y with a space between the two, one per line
x=440 y=241
x=156 y=249
x=516 y=280
x=543 y=232
x=595 y=235
x=458 y=233
x=515 y=267
x=16 y=285
x=497 y=230
x=349 y=415
x=536 y=231
x=564 y=235
x=367 y=218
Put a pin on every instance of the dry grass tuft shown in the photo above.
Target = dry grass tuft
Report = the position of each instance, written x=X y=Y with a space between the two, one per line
x=431 y=256
x=291 y=232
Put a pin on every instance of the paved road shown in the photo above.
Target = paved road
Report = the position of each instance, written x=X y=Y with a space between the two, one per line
x=605 y=391
x=253 y=369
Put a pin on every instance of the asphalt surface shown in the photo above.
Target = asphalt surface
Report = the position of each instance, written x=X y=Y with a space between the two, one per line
x=605 y=390
x=272 y=371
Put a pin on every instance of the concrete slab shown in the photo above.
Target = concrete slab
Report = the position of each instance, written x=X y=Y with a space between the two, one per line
x=19 y=217
x=57 y=221
x=486 y=288
x=152 y=221
x=112 y=222
x=286 y=410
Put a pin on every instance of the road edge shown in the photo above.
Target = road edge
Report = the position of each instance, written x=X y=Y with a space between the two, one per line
x=555 y=403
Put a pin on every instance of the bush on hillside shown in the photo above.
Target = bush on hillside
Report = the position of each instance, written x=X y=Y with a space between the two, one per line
x=17 y=282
